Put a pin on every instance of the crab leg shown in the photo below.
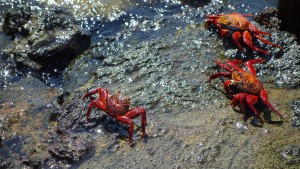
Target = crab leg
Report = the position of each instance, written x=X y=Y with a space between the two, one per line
x=239 y=98
x=103 y=94
x=134 y=113
x=267 y=42
x=94 y=103
x=249 y=64
x=223 y=66
x=248 y=41
x=254 y=29
x=236 y=36
x=127 y=119
x=220 y=74
x=234 y=63
x=226 y=83
x=264 y=98
x=251 y=100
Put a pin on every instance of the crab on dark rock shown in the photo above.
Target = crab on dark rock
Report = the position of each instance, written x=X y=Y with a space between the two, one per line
x=117 y=107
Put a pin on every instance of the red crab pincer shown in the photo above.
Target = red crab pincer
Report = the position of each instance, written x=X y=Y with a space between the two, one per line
x=239 y=26
x=247 y=87
x=117 y=106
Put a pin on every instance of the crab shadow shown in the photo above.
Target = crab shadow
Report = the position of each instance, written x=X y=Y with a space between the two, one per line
x=264 y=112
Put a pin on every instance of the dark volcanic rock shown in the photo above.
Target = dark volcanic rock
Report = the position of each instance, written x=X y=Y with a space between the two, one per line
x=195 y=3
x=33 y=163
x=4 y=163
x=284 y=67
x=14 y=23
x=69 y=147
x=54 y=38
x=285 y=71
x=71 y=114
x=61 y=98
x=288 y=13
x=269 y=18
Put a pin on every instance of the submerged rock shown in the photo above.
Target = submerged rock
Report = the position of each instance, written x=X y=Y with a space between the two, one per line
x=50 y=38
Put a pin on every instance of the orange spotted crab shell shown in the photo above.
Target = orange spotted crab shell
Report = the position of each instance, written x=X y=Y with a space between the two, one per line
x=248 y=81
x=118 y=104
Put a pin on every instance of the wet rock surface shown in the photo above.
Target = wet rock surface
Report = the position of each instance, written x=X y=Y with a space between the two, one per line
x=71 y=115
x=195 y=3
x=14 y=23
x=50 y=39
x=153 y=68
x=69 y=147
x=269 y=18
x=190 y=123
x=30 y=137
x=283 y=67
x=285 y=71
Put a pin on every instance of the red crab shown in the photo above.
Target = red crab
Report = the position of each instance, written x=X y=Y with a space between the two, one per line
x=239 y=26
x=117 y=106
x=249 y=87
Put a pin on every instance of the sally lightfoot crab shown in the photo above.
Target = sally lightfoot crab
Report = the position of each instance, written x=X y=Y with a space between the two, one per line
x=243 y=85
x=238 y=26
x=117 y=106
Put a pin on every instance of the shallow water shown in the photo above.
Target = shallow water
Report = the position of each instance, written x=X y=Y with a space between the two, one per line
x=159 y=54
x=118 y=25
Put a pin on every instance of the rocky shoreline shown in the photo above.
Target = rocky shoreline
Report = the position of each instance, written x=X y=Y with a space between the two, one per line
x=190 y=123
